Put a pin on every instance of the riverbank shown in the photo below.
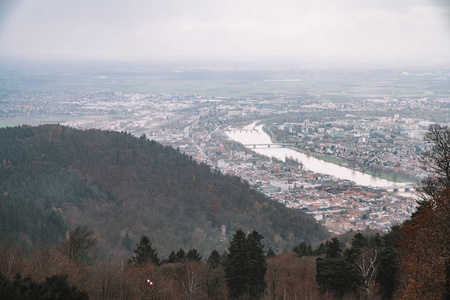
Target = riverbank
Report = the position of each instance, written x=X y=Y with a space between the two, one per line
x=255 y=135
x=381 y=174
x=344 y=163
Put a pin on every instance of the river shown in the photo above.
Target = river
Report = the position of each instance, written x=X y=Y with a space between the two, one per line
x=251 y=135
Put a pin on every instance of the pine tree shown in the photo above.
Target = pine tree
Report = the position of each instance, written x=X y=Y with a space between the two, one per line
x=257 y=265
x=300 y=249
x=375 y=241
x=173 y=258
x=334 y=249
x=181 y=255
x=214 y=259
x=54 y=287
x=144 y=252
x=389 y=264
x=193 y=255
x=246 y=266
x=236 y=270
x=214 y=276
x=359 y=243
x=335 y=273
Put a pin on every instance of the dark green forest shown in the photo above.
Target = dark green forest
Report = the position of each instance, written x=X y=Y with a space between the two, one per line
x=54 y=178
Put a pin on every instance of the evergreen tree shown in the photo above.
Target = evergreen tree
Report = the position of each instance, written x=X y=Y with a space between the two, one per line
x=359 y=243
x=320 y=249
x=375 y=241
x=193 y=255
x=214 y=276
x=181 y=255
x=389 y=262
x=300 y=249
x=214 y=259
x=144 y=252
x=336 y=275
x=246 y=266
x=127 y=242
x=173 y=258
x=270 y=253
x=388 y=268
x=236 y=270
x=334 y=249
x=55 y=287
x=257 y=265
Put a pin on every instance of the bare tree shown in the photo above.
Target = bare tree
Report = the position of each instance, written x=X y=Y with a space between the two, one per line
x=436 y=161
x=78 y=243
x=191 y=285
x=272 y=277
x=367 y=266
x=10 y=259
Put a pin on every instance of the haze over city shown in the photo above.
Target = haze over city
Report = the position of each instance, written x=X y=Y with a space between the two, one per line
x=237 y=149
x=233 y=31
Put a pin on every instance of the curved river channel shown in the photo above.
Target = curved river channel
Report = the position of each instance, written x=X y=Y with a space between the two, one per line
x=251 y=136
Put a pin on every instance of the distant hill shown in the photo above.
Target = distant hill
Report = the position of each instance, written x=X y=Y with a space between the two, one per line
x=53 y=178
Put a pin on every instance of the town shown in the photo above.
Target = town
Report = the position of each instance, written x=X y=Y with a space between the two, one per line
x=380 y=137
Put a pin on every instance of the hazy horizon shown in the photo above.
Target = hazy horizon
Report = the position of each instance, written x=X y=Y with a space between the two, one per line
x=251 y=32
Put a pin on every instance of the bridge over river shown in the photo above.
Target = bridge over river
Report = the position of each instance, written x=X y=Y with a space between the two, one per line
x=268 y=145
x=261 y=143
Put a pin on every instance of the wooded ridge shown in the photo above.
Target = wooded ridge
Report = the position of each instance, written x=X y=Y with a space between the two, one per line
x=54 y=178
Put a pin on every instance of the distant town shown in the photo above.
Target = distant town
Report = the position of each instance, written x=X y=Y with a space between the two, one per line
x=375 y=136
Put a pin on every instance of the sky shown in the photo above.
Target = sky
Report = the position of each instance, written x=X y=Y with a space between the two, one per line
x=235 y=30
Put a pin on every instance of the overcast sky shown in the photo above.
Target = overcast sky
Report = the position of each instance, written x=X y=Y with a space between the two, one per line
x=147 y=30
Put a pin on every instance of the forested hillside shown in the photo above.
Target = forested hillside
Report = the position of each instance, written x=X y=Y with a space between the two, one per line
x=53 y=178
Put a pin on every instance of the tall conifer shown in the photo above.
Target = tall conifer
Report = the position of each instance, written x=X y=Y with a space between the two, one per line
x=145 y=252
x=246 y=266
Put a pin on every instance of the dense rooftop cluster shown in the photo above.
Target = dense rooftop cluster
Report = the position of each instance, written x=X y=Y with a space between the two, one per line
x=378 y=136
